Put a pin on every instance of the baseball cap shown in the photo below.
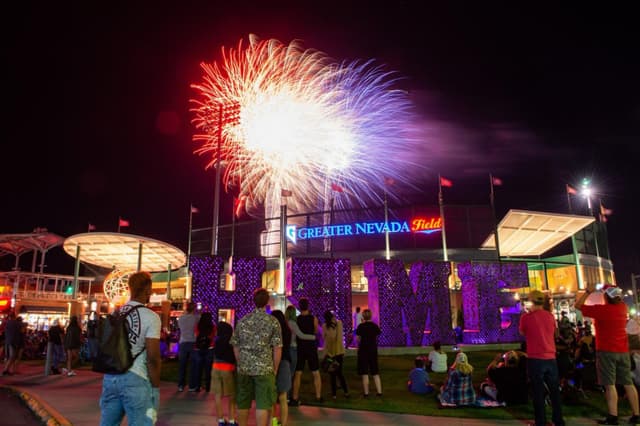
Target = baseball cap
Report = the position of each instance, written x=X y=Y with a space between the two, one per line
x=612 y=291
x=537 y=297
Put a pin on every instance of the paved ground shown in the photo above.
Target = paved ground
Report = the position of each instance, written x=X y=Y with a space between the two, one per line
x=20 y=414
x=62 y=400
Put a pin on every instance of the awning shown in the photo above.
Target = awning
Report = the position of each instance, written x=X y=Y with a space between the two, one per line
x=530 y=233
x=17 y=244
x=111 y=249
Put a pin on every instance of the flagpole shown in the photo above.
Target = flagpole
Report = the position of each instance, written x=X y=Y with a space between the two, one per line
x=119 y=220
x=189 y=238
x=444 y=234
x=495 y=218
x=576 y=255
x=386 y=226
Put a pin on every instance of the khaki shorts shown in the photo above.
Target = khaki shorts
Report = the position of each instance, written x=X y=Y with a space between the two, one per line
x=613 y=368
x=223 y=382
x=260 y=388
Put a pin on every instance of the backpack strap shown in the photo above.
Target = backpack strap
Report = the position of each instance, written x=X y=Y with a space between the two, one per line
x=135 y=308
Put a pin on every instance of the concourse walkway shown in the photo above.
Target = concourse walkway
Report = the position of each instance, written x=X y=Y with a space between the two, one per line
x=62 y=400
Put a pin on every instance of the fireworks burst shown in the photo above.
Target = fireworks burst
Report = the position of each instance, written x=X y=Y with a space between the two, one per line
x=303 y=123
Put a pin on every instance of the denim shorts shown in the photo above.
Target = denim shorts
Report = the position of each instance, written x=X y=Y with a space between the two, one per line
x=261 y=388
x=127 y=394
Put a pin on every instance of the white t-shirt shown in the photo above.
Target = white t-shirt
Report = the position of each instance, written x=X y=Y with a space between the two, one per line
x=438 y=361
x=143 y=324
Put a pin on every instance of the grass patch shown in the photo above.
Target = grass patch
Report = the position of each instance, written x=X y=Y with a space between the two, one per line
x=394 y=371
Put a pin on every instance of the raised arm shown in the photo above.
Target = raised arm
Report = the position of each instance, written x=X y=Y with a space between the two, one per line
x=299 y=334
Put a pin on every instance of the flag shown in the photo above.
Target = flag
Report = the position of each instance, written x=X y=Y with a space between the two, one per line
x=604 y=211
x=571 y=190
x=389 y=181
x=336 y=187
x=496 y=181
x=91 y=228
x=286 y=193
x=123 y=223
x=445 y=182
x=194 y=209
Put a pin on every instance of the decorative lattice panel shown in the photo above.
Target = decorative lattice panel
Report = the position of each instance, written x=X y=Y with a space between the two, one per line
x=410 y=310
x=207 y=289
x=491 y=314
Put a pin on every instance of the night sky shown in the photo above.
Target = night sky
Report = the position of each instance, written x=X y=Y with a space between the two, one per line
x=96 y=122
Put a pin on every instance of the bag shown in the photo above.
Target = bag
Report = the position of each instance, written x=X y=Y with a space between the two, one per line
x=114 y=349
x=329 y=364
x=203 y=342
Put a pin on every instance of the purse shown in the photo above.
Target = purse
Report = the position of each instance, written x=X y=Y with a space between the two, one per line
x=329 y=364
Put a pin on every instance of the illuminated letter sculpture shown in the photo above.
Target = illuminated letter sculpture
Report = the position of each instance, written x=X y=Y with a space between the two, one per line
x=490 y=314
x=207 y=289
x=411 y=311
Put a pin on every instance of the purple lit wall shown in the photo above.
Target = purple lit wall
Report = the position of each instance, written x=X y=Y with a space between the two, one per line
x=411 y=310
x=325 y=282
x=484 y=300
x=206 y=272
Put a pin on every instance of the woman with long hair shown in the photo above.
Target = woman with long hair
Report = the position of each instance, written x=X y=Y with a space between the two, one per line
x=72 y=343
x=458 y=389
x=283 y=379
x=332 y=332
x=203 y=353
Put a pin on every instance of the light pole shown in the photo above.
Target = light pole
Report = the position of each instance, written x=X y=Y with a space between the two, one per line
x=634 y=287
x=587 y=192
x=227 y=115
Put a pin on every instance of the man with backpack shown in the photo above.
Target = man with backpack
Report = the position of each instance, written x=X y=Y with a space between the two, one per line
x=135 y=392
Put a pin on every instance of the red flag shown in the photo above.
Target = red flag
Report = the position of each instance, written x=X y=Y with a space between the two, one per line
x=445 y=182
x=123 y=223
x=194 y=209
x=285 y=193
x=91 y=228
x=239 y=205
x=336 y=187
x=604 y=211
x=571 y=190
x=496 y=181
x=389 y=181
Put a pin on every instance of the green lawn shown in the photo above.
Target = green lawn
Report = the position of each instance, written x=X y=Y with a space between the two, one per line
x=394 y=371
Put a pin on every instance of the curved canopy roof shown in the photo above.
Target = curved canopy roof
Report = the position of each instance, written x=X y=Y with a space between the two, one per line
x=110 y=249
x=17 y=244
x=530 y=233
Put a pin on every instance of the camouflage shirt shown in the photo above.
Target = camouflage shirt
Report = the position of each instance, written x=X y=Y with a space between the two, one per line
x=255 y=337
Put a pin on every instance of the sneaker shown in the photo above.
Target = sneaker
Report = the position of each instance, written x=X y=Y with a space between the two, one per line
x=71 y=373
x=634 y=420
x=294 y=402
x=319 y=400
x=222 y=423
x=55 y=371
x=180 y=388
x=194 y=389
x=609 y=420
x=365 y=395
x=274 y=422
x=379 y=395
x=347 y=395
x=64 y=371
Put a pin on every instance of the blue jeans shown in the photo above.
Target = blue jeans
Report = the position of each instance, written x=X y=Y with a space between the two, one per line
x=127 y=394
x=185 y=353
x=57 y=352
x=201 y=362
x=545 y=372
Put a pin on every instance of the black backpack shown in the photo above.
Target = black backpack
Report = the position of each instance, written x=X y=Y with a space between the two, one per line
x=114 y=349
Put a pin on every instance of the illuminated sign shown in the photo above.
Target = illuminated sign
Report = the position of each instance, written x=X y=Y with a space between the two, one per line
x=420 y=225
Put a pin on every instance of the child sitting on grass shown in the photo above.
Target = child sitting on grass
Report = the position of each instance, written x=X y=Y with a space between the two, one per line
x=419 y=378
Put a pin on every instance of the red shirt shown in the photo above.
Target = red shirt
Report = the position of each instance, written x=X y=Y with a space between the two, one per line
x=539 y=329
x=610 y=323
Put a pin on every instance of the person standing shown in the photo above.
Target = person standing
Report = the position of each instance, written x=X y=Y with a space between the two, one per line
x=307 y=353
x=539 y=329
x=202 y=359
x=292 y=317
x=72 y=343
x=368 y=333
x=223 y=376
x=613 y=363
x=12 y=342
x=283 y=378
x=56 y=334
x=257 y=345
x=187 y=325
x=136 y=393
x=333 y=334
